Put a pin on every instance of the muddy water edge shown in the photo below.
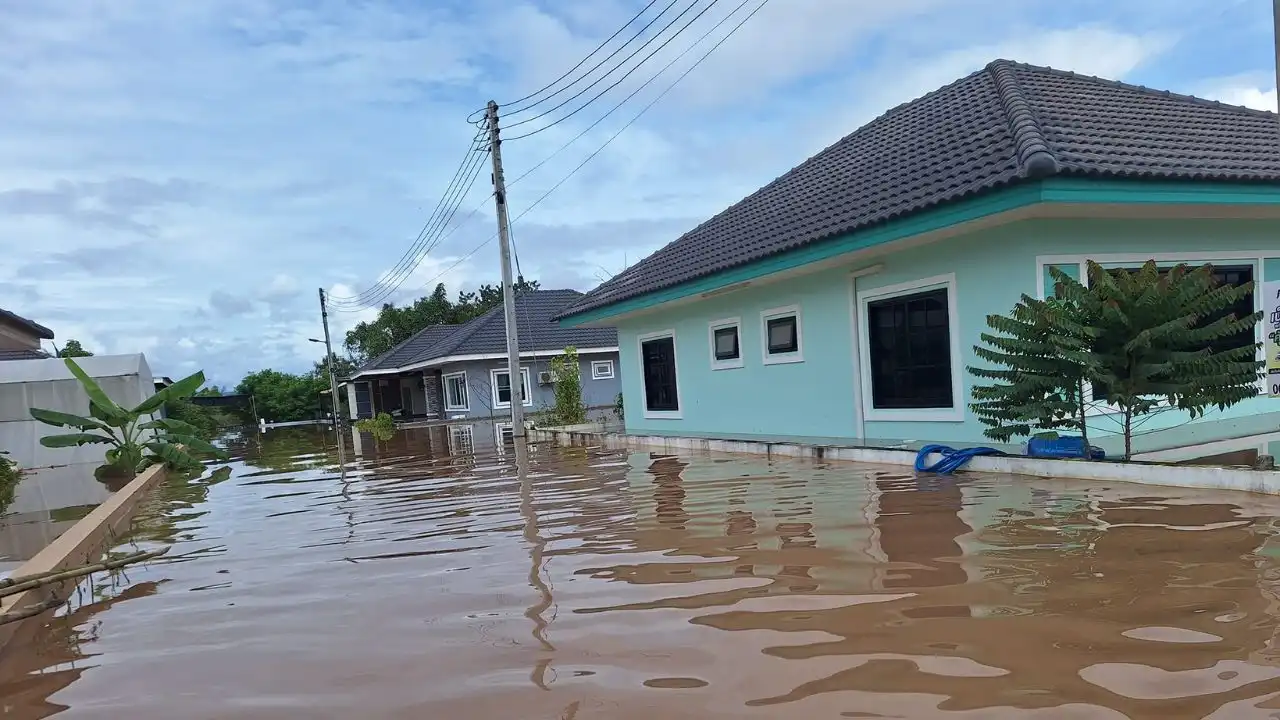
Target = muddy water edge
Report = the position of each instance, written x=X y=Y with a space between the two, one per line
x=430 y=580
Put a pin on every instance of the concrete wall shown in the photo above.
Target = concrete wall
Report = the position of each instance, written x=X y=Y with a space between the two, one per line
x=821 y=396
x=479 y=374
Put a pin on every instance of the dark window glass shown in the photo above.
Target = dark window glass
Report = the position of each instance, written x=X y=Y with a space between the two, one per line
x=910 y=351
x=1234 y=276
x=727 y=343
x=364 y=401
x=782 y=335
x=504 y=387
x=658 y=358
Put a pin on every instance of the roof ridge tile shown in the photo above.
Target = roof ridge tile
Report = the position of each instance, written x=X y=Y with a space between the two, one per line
x=1035 y=157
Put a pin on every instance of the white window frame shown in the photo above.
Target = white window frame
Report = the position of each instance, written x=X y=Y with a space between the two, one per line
x=498 y=429
x=955 y=413
x=781 y=358
x=712 y=327
x=1256 y=258
x=524 y=378
x=598 y=370
x=648 y=414
x=459 y=434
x=466 y=395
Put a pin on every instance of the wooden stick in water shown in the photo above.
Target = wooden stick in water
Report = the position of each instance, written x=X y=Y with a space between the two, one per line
x=29 y=611
x=15 y=585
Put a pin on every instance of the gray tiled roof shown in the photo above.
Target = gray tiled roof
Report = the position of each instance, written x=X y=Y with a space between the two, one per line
x=487 y=334
x=30 y=326
x=23 y=355
x=1004 y=124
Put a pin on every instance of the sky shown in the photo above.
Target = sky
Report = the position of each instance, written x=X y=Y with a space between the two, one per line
x=179 y=178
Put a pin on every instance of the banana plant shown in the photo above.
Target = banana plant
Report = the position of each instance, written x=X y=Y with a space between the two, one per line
x=137 y=438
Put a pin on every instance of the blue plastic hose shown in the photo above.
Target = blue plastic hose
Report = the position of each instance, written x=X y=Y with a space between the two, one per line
x=952 y=459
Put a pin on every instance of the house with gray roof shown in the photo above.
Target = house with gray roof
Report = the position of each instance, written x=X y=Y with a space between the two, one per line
x=458 y=372
x=841 y=302
x=20 y=338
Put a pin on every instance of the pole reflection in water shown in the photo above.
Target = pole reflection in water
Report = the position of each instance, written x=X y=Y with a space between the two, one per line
x=537 y=548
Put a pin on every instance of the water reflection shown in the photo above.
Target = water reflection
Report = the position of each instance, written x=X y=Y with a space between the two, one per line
x=434 y=578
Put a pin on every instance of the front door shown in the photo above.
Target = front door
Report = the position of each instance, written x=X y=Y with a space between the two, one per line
x=658 y=357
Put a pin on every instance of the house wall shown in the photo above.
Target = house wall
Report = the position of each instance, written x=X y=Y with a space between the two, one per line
x=595 y=393
x=820 y=398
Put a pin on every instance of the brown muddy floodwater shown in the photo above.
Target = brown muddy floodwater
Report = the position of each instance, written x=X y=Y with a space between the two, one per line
x=435 y=584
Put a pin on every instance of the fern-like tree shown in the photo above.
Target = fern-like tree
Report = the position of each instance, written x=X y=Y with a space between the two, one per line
x=1141 y=339
x=1041 y=362
x=1156 y=339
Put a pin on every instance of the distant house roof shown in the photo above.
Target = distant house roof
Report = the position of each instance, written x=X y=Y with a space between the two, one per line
x=1002 y=125
x=30 y=326
x=487 y=334
x=31 y=354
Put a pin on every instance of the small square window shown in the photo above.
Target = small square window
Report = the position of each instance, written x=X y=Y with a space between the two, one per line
x=782 y=338
x=724 y=338
x=601 y=369
x=727 y=343
x=782 y=335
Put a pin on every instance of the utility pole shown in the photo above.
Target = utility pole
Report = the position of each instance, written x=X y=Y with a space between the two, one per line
x=333 y=382
x=508 y=292
x=1275 y=21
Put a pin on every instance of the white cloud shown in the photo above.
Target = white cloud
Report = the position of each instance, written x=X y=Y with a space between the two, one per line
x=1254 y=90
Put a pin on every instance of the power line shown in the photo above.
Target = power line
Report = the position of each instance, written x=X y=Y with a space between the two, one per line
x=628 y=98
x=613 y=137
x=469 y=168
x=580 y=93
x=428 y=241
x=597 y=49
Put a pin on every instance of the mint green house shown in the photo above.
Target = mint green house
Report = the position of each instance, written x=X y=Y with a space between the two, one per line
x=841 y=302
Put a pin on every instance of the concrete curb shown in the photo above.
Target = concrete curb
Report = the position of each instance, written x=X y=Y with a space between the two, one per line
x=1188 y=476
x=80 y=545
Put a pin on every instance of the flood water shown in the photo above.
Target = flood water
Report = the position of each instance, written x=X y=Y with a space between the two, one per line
x=433 y=582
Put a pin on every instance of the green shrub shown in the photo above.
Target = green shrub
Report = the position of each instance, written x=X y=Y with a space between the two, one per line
x=9 y=476
x=569 y=408
x=382 y=427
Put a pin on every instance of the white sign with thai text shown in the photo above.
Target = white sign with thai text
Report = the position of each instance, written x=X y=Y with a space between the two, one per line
x=1271 y=327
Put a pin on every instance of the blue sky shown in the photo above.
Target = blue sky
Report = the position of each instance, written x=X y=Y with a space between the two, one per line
x=178 y=178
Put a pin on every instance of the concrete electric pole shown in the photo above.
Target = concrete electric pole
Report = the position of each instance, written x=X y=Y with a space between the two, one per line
x=333 y=385
x=508 y=292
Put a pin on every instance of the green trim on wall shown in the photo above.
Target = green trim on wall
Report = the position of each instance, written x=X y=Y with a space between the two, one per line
x=1057 y=190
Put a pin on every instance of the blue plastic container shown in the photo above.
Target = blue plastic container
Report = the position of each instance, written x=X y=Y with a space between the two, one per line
x=1063 y=447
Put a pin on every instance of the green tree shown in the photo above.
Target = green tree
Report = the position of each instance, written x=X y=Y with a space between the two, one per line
x=342 y=367
x=1153 y=335
x=394 y=324
x=73 y=349
x=1140 y=338
x=210 y=391
x=1042 y=360
x=284 y=397
x=569 y=408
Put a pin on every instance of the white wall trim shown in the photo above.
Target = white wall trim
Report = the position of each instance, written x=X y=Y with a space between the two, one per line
x=781 y=358
x=524 y=378
x=599 y=373
x=648 y=414
x=450 y=359
x=1255 y=258
x=466 y=386
x=712 y=327
x=955 y=413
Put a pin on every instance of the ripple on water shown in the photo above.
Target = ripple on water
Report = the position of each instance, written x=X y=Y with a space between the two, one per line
x=432 y=580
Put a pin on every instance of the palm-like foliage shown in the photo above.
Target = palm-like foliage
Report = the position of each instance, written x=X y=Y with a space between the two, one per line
x=1145 y=338
x=136 y=437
